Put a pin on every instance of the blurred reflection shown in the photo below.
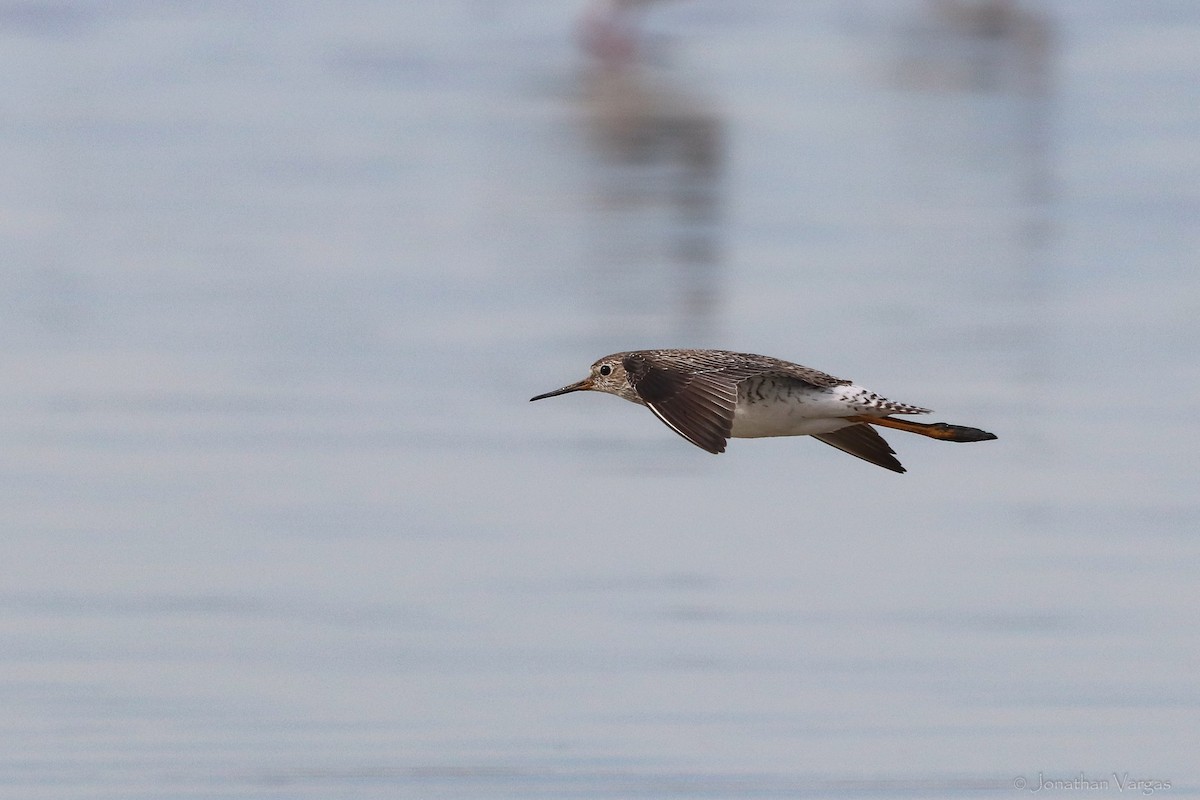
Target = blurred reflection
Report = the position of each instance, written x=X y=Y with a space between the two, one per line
x=979 y=45
x=989 y=48
x=655 y=180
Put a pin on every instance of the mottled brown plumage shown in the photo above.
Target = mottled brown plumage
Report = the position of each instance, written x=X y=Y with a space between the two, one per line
x=710 y=396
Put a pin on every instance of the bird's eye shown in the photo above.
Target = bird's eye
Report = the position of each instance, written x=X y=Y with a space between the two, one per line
x=606 y=370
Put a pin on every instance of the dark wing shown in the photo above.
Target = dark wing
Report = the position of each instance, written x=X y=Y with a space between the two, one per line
x=865 y=442
x=696 y=405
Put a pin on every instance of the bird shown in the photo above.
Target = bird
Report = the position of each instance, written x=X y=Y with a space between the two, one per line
x=711 y=396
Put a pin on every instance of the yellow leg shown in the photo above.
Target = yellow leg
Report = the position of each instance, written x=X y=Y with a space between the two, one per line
x=934 y=430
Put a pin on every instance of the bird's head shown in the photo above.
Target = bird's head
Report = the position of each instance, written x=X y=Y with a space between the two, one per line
x=607 y=375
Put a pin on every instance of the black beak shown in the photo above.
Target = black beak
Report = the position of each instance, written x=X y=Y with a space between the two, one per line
x=582 y=386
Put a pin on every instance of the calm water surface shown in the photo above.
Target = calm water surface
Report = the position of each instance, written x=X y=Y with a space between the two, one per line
x=278 y=280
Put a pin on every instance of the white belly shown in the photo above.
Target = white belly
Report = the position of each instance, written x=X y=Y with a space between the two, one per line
x=795 y=414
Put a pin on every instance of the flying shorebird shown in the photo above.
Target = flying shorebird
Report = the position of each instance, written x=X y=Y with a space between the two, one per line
x=710 y=396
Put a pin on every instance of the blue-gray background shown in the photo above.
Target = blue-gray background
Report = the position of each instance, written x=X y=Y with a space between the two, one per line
x=277 y=280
